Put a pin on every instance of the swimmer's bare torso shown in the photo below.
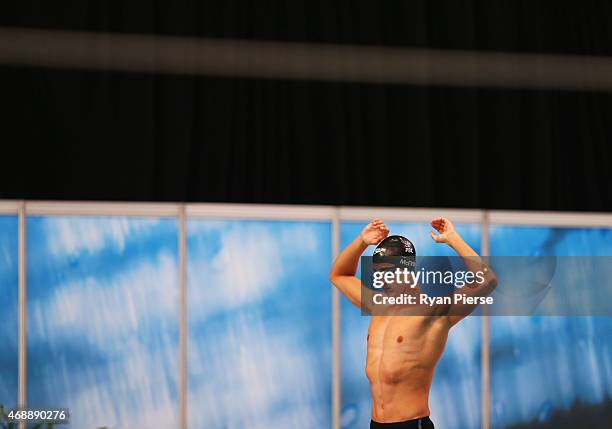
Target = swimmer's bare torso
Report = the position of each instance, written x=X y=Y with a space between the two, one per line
x=402 y=354
x=403 y=350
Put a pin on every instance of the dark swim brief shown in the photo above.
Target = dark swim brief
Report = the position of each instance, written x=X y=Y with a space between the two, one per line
x=422 y=423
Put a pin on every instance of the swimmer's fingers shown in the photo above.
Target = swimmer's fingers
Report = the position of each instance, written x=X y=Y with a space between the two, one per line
x=383 y=227
x=374 y=232
x=379 y=224
x=442 y=225
x=438 y=223
x=373 y=225
x=435 y=237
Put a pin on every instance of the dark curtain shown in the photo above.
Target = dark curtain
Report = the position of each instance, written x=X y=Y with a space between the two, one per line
x=118 y=136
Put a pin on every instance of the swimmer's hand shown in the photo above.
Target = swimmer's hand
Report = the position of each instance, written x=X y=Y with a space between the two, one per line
x=445 y=228
x=375 y=232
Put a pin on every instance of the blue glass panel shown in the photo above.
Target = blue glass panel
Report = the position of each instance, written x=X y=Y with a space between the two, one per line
x=551 y=371
x=455 y=393
x=102 y=319
x=259 y=323
x=8 y=304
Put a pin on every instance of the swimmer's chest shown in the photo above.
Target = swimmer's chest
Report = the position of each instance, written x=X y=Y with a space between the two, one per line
x=404 y=330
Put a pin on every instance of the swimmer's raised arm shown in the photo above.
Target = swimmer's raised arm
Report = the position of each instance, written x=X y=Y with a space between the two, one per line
x=473 y=262
x=342 y=273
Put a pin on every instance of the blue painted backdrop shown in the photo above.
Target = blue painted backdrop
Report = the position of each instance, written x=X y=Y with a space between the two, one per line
x=455 y=393
x=259 y=323
x=102 y=315
x=102 y=320
x=542 y=366
x=8 y=310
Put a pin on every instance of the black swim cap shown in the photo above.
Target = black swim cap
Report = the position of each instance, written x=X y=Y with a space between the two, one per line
x=397 y=251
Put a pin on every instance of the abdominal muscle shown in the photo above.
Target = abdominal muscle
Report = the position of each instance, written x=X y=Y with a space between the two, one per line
x=402 y=354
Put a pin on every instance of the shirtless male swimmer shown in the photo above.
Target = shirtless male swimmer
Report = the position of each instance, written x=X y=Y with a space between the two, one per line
x=402 y=351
